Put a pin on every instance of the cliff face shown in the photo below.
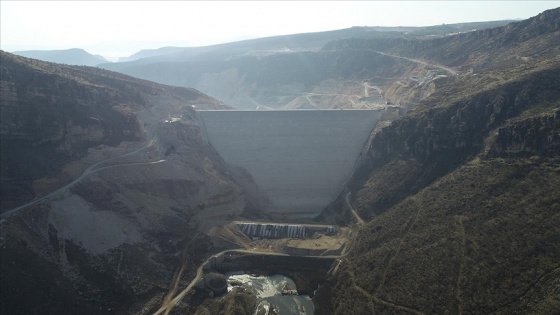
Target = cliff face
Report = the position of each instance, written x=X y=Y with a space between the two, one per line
x=530 y=136
x=461 y=198
x=438 y=136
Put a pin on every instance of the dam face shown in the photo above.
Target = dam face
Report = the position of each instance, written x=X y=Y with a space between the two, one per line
x=299 y=159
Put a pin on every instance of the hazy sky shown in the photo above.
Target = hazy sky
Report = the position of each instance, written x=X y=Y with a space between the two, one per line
x=118 y=29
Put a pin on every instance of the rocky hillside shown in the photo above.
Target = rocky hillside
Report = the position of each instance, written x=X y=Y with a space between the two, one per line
x=119 y=187
x=477 y=51
x=461 y=196
x=52 y=114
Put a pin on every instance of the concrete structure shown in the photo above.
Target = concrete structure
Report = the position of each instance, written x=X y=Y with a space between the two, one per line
x=282 y=230
x=299 y=159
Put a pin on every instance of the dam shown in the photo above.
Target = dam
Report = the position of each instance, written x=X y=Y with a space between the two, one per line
x=300 y=160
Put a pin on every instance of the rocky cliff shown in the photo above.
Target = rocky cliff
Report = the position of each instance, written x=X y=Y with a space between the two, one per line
x=440 y=135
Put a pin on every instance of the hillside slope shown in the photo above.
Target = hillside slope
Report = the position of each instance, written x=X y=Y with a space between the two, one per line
x=462 y=198
x=117 y=185
x=52 y=114
x=477 y=51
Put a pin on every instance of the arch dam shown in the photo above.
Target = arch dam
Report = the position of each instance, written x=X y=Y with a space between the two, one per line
x=300 y=160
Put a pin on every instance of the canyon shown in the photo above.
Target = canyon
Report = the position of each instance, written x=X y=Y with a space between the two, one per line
x=426 y=167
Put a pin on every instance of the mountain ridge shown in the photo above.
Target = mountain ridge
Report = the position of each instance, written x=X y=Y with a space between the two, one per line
x=244 y=75
x=302 y=39
x=72 y=56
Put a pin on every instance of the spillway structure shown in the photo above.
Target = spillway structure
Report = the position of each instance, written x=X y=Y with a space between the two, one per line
x=299 y=159
x=282 y=230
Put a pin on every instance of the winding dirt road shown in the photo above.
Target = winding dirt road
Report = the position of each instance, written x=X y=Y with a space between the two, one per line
x=86 y=172
x=375 y=87
x=354 y=213
x=451 y=71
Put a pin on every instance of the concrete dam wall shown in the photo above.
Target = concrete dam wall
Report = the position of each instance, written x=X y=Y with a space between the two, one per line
x=299 y=159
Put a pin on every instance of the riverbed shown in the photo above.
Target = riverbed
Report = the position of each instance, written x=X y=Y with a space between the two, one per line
x=268 y=290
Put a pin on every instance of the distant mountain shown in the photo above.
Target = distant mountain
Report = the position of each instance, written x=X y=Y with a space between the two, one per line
x=146 y=53
x=308 y=41
x=74 y=56
x=292 y=71
x=266 y=45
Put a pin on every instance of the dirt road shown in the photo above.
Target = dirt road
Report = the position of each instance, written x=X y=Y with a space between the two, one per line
x=451 y=71
x=354 y=213
x=87 y=171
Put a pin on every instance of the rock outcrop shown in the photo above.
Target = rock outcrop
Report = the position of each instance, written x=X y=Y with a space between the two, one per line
x=531 y=136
